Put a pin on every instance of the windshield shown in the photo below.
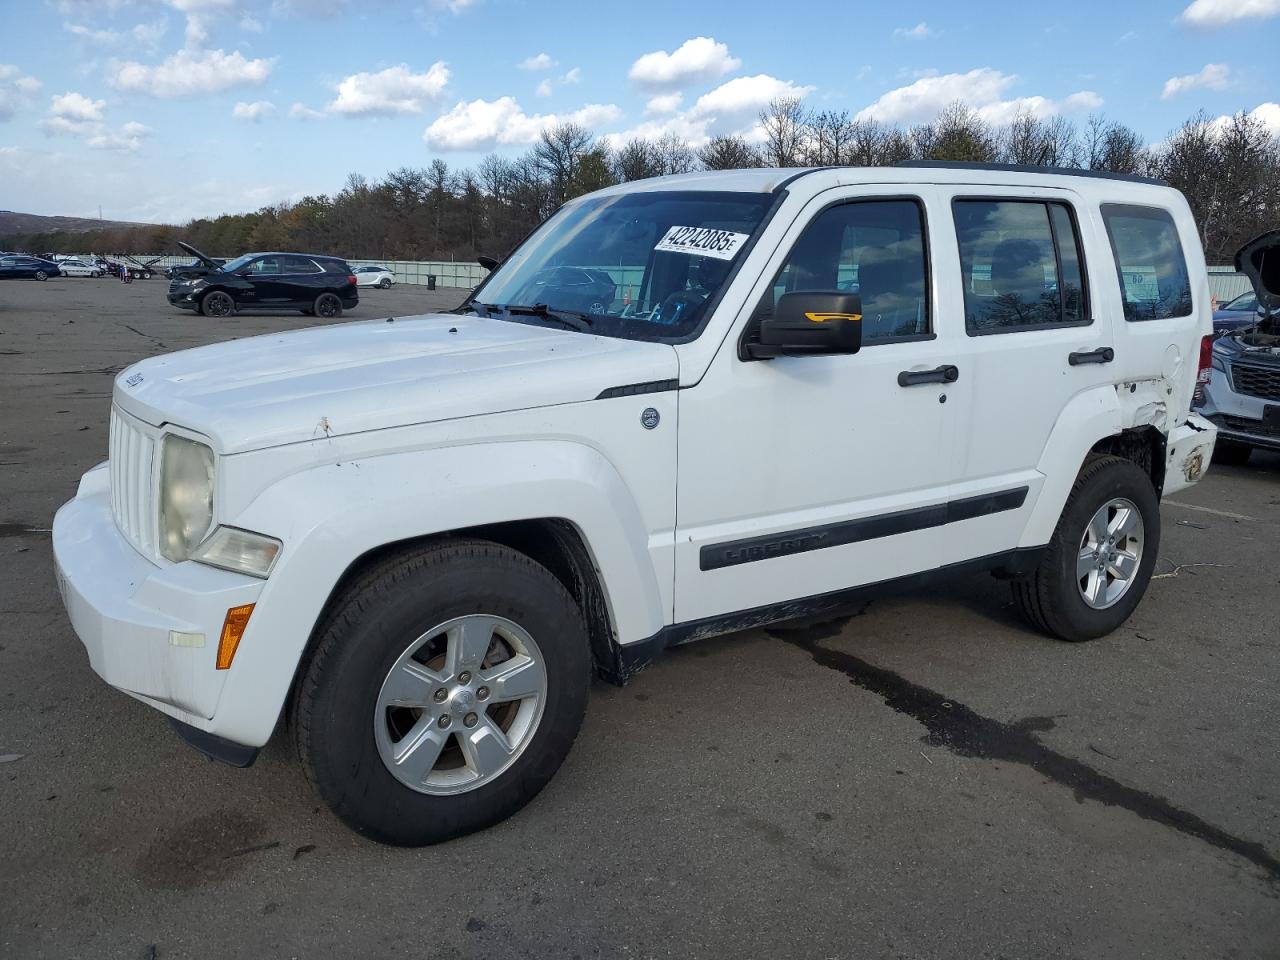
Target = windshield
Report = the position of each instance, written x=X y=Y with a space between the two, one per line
x=640 y=265
x=1246 y=301
x=239 y=263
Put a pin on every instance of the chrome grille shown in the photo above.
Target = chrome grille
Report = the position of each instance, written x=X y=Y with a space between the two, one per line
x=1256 y=381
x=132 y=452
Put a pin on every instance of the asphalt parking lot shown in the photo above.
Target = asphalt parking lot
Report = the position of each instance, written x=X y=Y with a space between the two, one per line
x=924 y=778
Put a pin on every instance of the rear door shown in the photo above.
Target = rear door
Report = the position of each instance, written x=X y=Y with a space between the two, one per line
x=301 y=281
x=1034 y=338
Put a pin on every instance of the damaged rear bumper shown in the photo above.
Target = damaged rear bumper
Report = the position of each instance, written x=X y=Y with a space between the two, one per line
x=1188 y=452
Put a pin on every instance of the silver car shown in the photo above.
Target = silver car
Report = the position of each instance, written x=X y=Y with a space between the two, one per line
x=1242 y=395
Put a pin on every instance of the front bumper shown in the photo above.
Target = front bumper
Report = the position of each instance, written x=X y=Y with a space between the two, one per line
x=151 y=631
x=1240 y=417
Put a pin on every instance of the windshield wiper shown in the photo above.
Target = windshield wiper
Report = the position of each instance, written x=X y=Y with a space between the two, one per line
x=574 y=321
x=485 y=309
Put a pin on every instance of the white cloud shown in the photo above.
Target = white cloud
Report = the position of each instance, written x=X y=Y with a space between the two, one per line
x=701 y=59
x=484 y=124
x=190 y=72
x=253 y=111
x=572 y=76
x=127 y=139
x=924 y=98
x=663 y=103
x=541 y=61
x=1082 y=101
x=733 y=107
x=250 y=24
x=144 y=34
x=1213 y=13
x=76 y=106
x=543 y=89
x=1214 y=76
x=16 y=89
x=983 y=89
x=300 y=111
x=918 y=32
x=390 y=91
x=746 y=95
x=1267 y=113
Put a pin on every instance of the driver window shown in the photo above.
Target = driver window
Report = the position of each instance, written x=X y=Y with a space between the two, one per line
x=874 y=248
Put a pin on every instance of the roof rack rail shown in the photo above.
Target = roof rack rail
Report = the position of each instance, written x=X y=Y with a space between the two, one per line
x=1028 y=168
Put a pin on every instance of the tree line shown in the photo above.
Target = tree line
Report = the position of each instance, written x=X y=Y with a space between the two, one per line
x=1228 y=169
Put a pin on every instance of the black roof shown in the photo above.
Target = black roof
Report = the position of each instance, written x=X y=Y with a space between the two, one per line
x=1028 y=168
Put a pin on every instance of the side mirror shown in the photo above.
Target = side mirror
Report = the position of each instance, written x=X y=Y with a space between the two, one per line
x=487 y=262
x=811 y=323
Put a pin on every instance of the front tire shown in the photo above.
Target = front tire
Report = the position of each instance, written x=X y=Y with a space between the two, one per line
x=217 y=304
x=1231 y=453
x=447 y=686
x=1098 y=563
x=384 y=284
x=327 y=305
x=42 y=275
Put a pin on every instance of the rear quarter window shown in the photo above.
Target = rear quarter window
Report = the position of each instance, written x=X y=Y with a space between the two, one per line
x=1150 y=265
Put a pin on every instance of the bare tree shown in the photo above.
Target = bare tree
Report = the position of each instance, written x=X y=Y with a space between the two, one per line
x=1112 y=146
x=636 y=160
x=674 y=154
x=558 y=152
x=729 y=153
x=1031 y=140
x=830 y=138
x=784 y=125
x=958 y=133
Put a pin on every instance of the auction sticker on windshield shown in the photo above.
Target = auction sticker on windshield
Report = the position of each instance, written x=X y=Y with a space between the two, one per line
x=702 y=242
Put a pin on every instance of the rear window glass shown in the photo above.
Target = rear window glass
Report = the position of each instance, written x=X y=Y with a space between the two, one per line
x=1154 y=281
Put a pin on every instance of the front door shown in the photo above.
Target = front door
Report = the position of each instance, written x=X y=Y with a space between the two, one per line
x=801 y=476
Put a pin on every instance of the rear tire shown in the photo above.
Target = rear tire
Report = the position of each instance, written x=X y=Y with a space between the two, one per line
x=1231 y=453
x=146 y=274
x=384 y=284
x=327 y=305
x=341 y=719
x=1055 y=597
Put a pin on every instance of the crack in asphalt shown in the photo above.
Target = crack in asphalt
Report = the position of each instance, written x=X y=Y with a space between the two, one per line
x=957 y=728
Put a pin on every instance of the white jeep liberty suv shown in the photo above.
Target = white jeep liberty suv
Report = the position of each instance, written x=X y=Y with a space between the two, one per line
x=683 y=407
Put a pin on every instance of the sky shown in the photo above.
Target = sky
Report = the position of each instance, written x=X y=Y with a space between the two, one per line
x=165 y=110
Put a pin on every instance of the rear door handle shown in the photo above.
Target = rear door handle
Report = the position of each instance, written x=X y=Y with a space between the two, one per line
x=1101 y=355
x=947 y=373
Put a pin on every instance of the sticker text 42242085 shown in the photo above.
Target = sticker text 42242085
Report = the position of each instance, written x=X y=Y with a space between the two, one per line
x=702 y=242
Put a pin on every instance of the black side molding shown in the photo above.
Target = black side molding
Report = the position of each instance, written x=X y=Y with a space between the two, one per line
x=634 y=657
x=215 y=748
x=636 y=389
x=731 y=553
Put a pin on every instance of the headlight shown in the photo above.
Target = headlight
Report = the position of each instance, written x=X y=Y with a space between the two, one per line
x=186 y=496
x=241 y=551
x=197 y=283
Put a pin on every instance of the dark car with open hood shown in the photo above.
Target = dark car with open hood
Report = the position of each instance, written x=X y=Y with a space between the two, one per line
x=1242 y=393
x=310 y=283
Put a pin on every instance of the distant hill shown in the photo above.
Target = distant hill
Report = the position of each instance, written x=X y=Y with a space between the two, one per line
x=13 y=224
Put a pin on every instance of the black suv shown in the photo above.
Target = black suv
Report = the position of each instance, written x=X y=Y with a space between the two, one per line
x=323 y=286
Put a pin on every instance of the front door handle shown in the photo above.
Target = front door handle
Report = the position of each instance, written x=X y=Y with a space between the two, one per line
x=1101 y=355
x=947 y=373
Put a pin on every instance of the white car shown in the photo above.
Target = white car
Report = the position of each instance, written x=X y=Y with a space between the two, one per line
x=374 y=277
x=74 y=267
x=423 y=535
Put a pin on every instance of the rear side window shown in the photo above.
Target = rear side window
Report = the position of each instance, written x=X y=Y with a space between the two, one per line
x=1154 y=281
x=293 y=264
x=875 y=248
x=1021 y=265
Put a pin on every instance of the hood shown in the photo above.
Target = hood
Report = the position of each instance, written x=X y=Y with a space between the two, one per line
x=1259 y=260
x=207 y=261
x=352 y=377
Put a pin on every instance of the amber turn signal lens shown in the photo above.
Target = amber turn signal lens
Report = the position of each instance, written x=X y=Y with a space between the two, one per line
x=233 y=628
